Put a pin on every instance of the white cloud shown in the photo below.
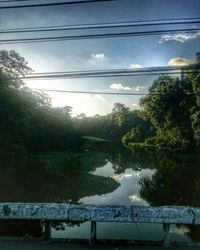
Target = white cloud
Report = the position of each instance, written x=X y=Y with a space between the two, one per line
x=135 y=66
x=98 y=56
x=181 y=38
x=178 y=61
x=127 y=193
x=119 y=86
x=96 y=59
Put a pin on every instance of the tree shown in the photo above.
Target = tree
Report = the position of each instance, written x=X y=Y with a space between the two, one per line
x=28 y=122
x=12 y=63
x=119 y=112
x=134 y=135
x=13 y=66
x=169 y=108
x=195 y=111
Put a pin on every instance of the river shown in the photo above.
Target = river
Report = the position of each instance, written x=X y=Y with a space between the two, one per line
x=108 y=175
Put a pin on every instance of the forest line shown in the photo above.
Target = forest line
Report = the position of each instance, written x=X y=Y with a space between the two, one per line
x=168 y=118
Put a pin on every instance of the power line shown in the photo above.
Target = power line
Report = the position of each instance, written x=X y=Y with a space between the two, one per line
x=102 y=93
x=54 y=4
x=96 y=36
x=114 y=72
x=89 y=92
x=110 y=75
x=102 y=25
x=142 y=69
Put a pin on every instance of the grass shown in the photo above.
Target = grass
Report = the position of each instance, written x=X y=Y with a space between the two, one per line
x=94 y=143
x=95 y=139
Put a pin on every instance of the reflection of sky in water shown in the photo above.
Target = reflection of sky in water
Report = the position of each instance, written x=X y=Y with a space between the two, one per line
x=126 y=194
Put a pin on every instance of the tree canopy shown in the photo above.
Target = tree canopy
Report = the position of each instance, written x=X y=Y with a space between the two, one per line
x=172 y=107
x=12 y=65
x=169 y=115
x=28 y=122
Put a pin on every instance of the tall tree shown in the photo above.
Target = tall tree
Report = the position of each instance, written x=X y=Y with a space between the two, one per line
x=169 y=108
x=13 y=66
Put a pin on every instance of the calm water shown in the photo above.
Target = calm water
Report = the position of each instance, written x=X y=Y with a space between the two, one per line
x=112 y=176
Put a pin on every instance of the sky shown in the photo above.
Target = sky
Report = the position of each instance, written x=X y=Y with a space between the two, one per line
x=107 y=53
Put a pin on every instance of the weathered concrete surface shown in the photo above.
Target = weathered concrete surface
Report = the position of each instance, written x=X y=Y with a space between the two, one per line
x=67 y=212
x=196 y=212
x=34 y=211
x=37 y=245
x=100 y=213
x=177 y=215
x=181 y=215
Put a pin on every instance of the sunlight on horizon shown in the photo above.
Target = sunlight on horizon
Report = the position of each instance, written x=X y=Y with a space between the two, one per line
x=89 y=104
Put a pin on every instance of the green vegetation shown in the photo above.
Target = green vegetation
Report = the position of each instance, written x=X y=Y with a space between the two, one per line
x=114 y=126
x=94 y=139
x=28 y=122
x=46 y=155
x=141 y=145
x=169 y=117
x=173 y=108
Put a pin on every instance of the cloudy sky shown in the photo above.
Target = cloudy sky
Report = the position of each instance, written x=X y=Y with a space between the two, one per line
x=107 y=53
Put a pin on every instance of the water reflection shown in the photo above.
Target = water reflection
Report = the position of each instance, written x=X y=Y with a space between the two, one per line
x=128 y=191
x=52 y=178
x=113 y=176
x=176 y=181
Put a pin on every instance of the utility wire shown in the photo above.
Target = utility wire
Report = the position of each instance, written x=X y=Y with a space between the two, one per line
x=105 y=76
x=54 y=4
x=101 y=26
x=144 y=69
x=88 y=92
x=102 y=93
x=116 y=72
x=96 y=36
x=183 y=19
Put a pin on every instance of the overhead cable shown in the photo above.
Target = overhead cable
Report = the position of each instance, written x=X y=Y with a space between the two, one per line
x=53 y=4
x=101 y=93
x=110 y=75
x=88 y=92
x=97 y=36
x=101 y=26
x=115 y=72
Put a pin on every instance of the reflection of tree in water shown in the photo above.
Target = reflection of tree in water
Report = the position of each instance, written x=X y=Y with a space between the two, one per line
x=54 y=178
x=123 y=159
x=176 y=182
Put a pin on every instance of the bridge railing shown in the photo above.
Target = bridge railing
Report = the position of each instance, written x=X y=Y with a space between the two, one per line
x=49 y=212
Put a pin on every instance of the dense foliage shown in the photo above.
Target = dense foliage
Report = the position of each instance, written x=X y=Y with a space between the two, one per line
x=28 y=122
x=169 y=115
x=114 y=125
x=173 y=108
